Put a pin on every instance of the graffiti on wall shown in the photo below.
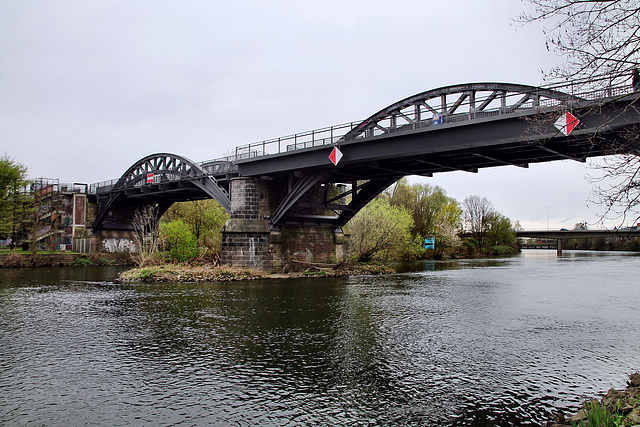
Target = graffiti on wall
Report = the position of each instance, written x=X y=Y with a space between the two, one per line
x=113 y=245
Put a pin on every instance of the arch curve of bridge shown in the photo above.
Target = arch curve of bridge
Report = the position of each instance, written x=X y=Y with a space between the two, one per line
x=160 y=173
x=456 y=103
x=478 y=98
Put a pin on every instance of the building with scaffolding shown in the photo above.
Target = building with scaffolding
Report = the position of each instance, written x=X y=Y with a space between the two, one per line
x=60 y=216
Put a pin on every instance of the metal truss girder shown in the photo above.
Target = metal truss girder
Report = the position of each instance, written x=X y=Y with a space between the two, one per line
x=332 y=206
x=304 y=184
x=449 y=167
x=465 y=91
x=318 y=219
x=171 y=170
x=364 y=195
x=501 y=161
x=397 y=171
x=563 y=155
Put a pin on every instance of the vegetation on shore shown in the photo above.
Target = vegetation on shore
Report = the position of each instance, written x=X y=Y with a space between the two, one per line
x=615 y=409
x=20 y=258
x=199 y=272
x=396 y=223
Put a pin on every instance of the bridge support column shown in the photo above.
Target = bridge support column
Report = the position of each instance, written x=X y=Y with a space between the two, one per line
x=559 y=250
x=248 y=241
x=245 y=236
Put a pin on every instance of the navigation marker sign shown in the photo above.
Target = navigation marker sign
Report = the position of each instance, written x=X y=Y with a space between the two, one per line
x=335 y=156
x=149 y=178
x=566 y=123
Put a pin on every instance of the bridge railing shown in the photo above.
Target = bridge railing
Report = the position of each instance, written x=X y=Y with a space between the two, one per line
x=102 y=187
x=460 y=110
x=588 y=90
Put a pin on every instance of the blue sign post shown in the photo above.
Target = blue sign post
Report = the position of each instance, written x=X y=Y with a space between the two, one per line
x=429 y=242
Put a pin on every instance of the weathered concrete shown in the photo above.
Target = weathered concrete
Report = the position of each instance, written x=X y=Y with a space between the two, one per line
x=112 y=241
x=248 y=240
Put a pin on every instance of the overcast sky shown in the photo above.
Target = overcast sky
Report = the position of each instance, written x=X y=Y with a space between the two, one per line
x=88 y=87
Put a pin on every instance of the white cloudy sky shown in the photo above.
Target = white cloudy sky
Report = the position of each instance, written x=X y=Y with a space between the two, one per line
x=87 y=87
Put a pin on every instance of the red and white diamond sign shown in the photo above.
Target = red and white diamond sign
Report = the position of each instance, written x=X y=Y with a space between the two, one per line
x=566 y=123
x=335 y=156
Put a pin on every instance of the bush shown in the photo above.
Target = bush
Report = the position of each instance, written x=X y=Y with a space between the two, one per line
x=179 y=241
x=504 y=250
x=82 y=261
x=13 y=260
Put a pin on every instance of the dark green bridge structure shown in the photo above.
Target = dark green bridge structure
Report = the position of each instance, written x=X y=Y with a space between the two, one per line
x=289 y=202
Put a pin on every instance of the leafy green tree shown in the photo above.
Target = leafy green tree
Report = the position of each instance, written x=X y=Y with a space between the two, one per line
x=204 y=218
x=447 y=237
x=15 y=200
x=433 y=212
x=500 y=230
x=178 y=240
x=380 y=229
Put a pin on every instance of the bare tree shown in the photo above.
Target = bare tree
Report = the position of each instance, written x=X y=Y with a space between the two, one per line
x=145 y=226
x=476 y=212
x=596 y=37
x=600 y=41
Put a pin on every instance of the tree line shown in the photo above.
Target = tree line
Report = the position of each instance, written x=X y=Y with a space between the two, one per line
x=395 y=224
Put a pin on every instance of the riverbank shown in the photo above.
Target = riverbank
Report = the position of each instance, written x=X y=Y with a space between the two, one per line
x=212 y=273
x=12 y=259
x=616 y=408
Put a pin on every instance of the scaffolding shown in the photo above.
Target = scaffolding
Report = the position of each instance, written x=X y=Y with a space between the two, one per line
x=59 y=214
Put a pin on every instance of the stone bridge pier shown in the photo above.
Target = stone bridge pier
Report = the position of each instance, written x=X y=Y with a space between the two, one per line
x=250 y=240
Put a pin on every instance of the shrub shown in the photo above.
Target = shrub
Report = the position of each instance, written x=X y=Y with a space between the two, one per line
x=178 y=241
x=504 y=250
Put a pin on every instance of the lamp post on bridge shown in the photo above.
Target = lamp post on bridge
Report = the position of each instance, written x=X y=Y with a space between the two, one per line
x=547 y=218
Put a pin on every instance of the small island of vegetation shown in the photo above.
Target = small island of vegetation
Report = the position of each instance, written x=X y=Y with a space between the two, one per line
x=184 y=244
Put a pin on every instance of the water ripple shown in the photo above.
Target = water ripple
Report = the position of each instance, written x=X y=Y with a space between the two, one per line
x=483 y=343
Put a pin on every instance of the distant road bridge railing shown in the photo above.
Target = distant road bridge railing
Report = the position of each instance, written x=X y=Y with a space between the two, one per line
x=580 y=234
x=560 y=235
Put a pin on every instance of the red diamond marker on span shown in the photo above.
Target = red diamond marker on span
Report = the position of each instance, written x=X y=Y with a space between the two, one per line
x=335 y=156
x=566 y=123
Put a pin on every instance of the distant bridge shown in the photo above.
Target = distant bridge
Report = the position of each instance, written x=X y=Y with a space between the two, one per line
x=560 y=235
x=463 y=127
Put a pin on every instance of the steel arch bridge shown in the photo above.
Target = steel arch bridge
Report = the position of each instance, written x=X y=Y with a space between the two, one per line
x=458 y=103
x=462 y=127
x=160 y=179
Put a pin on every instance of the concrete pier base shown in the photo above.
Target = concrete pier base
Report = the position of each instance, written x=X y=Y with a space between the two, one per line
x=250 y=241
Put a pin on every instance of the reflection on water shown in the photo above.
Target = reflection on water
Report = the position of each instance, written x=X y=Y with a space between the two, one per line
x=467 y=342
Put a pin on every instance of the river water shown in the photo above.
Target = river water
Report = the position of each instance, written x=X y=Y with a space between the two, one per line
x=501 y=342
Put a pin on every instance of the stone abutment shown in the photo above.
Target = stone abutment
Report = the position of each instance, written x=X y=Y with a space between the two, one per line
x=250 y=241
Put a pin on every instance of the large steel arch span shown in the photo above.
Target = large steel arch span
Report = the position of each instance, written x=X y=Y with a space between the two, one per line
x=459 y=103
x=158 y=175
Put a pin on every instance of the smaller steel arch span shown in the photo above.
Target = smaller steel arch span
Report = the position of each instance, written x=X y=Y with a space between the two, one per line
x=163 y=168
x=467 y=100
